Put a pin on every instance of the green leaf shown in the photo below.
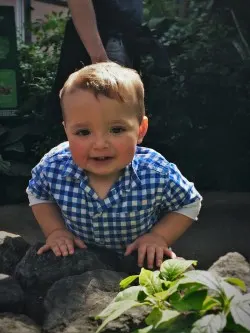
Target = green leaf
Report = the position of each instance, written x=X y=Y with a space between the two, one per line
x=114 y=310
x=240 y=310
x=182 y=324
x=167 y=319
x=229 y=290
x=236 y=282
x=127 y=281
x=151 y=281
x=190 y=302
x=16 y=147
x=166 y=284
x=131 y=293
x=161 y=296
x=205 y=278
x=153 y=22
x=171 y=269
x=4 y=166
x=148 y=329
x=18 y=169
x=154 y=317
x=232 y=327
x=15 y=134
x=183 y=284
x=210 y=324
x=3 y=130
x=210 y=303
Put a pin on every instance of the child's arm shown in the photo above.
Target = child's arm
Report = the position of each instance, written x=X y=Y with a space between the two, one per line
x=181 y=204
x=58 y=238
x=155 y=244
x=45 y=208
x=172 y=226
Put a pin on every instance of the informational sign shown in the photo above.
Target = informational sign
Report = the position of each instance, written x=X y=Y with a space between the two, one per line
x=8 y=63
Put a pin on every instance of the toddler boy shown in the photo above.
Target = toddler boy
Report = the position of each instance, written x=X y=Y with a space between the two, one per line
x=100 y=187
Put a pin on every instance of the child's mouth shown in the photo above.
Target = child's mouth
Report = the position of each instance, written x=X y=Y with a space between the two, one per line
x=102 y=158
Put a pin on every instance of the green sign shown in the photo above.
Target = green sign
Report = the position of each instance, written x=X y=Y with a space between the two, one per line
x=8 y=63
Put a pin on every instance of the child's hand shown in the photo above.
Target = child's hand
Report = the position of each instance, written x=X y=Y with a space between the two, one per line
x=61 y=242
x=153 y=246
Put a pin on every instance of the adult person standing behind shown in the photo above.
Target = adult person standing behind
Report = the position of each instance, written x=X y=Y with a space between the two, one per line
x=94 y=34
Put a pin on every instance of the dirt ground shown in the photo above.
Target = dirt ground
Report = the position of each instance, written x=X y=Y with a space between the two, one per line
x=223 y=226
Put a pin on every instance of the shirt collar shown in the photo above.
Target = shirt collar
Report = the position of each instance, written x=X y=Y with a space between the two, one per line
x=72 y=170
x=131 y=178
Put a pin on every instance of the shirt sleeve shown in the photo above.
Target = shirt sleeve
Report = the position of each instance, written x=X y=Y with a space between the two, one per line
x=179 y=193
x=34 y=201
x=38 y=186
x=191 y=210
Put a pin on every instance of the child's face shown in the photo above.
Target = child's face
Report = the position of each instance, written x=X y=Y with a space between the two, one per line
x=102 y=132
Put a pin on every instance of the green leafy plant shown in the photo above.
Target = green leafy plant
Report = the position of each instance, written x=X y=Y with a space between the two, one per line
x=38 y=66
x=38 y=62
x=183 y=300
x=205 y=101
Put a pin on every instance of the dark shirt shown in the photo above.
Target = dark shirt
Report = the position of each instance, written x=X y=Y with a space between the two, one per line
x=118 y=15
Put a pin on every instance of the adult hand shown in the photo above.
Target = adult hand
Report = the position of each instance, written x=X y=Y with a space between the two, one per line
x=153 y=246
x=61 y=242
x=99 y=56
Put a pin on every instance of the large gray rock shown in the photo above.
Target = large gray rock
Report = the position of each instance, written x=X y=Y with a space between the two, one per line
x=233 y=264
x=41 y=271
x=12 y=249
x=10 y=323
x=73 y=301
x=11 y=295
x=33 y=305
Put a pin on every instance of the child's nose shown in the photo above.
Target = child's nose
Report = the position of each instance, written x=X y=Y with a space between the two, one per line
x=100 y=142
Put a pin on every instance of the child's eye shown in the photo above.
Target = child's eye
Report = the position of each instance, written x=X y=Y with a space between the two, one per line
x=83 y=132
x=117 y=130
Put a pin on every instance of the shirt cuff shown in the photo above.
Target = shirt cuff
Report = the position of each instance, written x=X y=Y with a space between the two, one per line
x=191 y=210
x=35 y=201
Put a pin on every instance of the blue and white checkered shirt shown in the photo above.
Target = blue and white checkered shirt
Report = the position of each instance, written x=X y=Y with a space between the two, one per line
x=149 y=188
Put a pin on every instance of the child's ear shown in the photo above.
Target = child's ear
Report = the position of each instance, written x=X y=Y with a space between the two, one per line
x=143 y=129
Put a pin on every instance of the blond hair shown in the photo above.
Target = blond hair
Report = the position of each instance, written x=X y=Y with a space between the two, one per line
x=111 y=80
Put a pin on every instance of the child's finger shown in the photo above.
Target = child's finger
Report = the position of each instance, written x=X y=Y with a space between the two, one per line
x=70 y=246
x=141 y=255
x=130 y=248
x=79 y=243
x=159 y=256
x=64 y=249
x=173 y=256
x=56 y=250
x=43 y=249
x=150 y=256
x=169 y=253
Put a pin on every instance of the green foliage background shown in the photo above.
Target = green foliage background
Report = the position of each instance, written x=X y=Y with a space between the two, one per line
x=199 y=115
